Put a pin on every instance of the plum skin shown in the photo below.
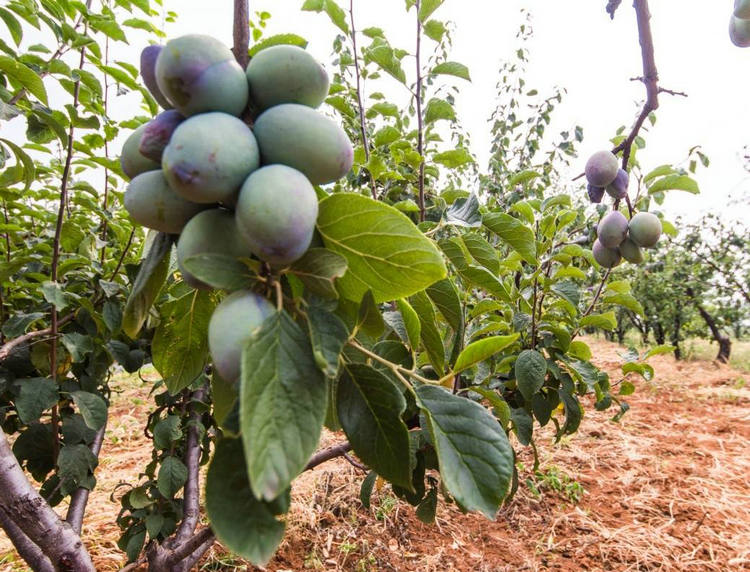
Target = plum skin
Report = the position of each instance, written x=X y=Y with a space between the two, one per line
x=612 y=229
x=645 y=229
x=149 y=55
x=602 y=168
x=606 y=257
x=157 y=134
x=618 y=189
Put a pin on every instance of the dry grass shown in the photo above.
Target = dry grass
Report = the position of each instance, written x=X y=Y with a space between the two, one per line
x=666 y=489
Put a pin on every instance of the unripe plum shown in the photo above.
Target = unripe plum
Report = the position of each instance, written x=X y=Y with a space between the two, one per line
x=151 y=203
x=631 y=251
x=299 y=137
x=618 y=188
x=286 y=74
x=276 y=213
x=739 y=32
x=209 y=156
x=595 y=193
x=606 y=257
x=231 y=327
x=149 y=56
x=612 y=229
x=157 y=134
x=198 y=73
x=645 y=229
x=601 y=168
x=212 y=231
x=742 y=9
x=132 y=161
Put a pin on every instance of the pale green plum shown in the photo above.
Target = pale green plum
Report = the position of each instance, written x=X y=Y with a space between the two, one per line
x=152 y=203
x=132 y=161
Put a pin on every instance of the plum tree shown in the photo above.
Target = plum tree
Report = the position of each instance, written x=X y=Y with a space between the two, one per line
x=213 y=231
x=286 y=74
x=618 y=188
x=276 y=213
x=132 y=161
x=645 y=229
x=612 y=229
x=198 y=73
x=742 y=9
x=606 y=257
x=152 y=203
x=148 y=73
x=157 y=134
x=231 y=326
x=739 y=31
x=602 y=168
x=299 y=137
x=631 y=251
x=209 y=156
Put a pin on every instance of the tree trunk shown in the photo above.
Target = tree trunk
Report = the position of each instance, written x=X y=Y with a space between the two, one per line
x=659 y=334
x=677 y=326
x=725 y=344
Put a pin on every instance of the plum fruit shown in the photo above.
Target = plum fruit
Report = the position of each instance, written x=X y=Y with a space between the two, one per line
x=213 y=231
x=286 y=74
x=231 y=327
x=631 y=251
x=602 y=168
x=618 y=188
x=739 y=32
x=157 y=134
x=198 y=73
x=132 y=161
x=152 y=203
x=595 y=193
x=742 y=9
x=606 y=257
x=299 y=137
x=148 y=73
x=209 y=156
x=276 y=213
x=645 y=229
x=612 y=229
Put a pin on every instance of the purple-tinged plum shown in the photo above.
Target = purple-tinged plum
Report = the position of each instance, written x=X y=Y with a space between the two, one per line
x=286 y=74
x=198 y=74
x=602 y=168
x=213 y=231
x=618 y=188
x=595 y=193
x=209 y=157
x=631 y=251
x=739 y=32
x=606 y=257
x=301 y=138
x=151 y=203
x=149 y=56
x=742 y=9
x=612 y=229
x=157 y=134
x=132 y=161
x=645 y=229
x=231 y=327
x=276 y=213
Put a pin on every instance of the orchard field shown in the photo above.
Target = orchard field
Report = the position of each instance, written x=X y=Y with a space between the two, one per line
x=271 y=298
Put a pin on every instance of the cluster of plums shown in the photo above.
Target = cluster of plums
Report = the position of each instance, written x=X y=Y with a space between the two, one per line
x=200 y=171
x=739 y=24
x=616 y=237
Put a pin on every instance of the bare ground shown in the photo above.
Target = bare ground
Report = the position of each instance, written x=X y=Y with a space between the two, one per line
x=668 y=488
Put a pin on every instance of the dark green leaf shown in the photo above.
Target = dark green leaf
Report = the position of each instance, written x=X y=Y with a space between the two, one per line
x=92 y=408
x=36 y=395
x=464 y=212
x=328 y=334
x=513 y=232
x=318 y=269
x=219 y=271
x=482 y=350
x=25 y=76
x=172 y=476
x=531 y=369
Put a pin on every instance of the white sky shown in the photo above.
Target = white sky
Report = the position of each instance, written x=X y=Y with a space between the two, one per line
x=576 y=46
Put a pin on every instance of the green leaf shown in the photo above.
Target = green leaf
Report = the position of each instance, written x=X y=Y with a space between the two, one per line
x=385 y=252
x=427 y=7
x=148 y=283
x=464 y=212
x=523 y=177
x=475 y=456
x=445 y=297
x=643 y=369
x=224 y=396
x=452 y=68
x=674 y=182
x=625 y=300
x=328 y=334
x=14 y=26
x=278 y=40
x=531 y=369
x=658 y=350
x=411 y=323
x=172 y=476
x=606 y=321
x=369 y=318
x=76 y=464
x=219 y=271
x=26 y=162
x=482 y=251
x=78 y=345
x=282 y=404
x=92 y=408
x=180 y=344
x=35 y=396
x=659 y=171
x=318 y=269
x=580 y=350
x=430 y=335
x=513 y=232
x=439 y=109
x=370 y=408
x=25 y=76
x=385 y=57
x=453 y=158
x=573 y=412
x=54 y=294
x=435 y=30
x=428 y=507
x=481 y=350
x=246 y=526
x=167 y=432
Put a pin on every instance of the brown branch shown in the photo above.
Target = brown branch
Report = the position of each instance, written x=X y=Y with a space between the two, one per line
x=241 y=32
x=362 y=125
x=191 y=498
x=80 y=497
x=327 y=454
x=420 y=119
x=30 y=552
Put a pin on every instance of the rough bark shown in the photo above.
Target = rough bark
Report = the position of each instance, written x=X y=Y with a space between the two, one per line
x=30 y=552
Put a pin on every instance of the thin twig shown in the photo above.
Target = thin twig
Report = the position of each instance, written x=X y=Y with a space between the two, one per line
x=327 y=454
x=241 y=32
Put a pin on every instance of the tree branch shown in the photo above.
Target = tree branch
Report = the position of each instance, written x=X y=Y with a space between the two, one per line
x=80 y=496
x=241 y=32
x=327 y=454
x=191 y=498
x=30 y=552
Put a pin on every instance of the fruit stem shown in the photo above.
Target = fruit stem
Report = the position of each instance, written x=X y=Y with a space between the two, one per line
x=241 y=32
